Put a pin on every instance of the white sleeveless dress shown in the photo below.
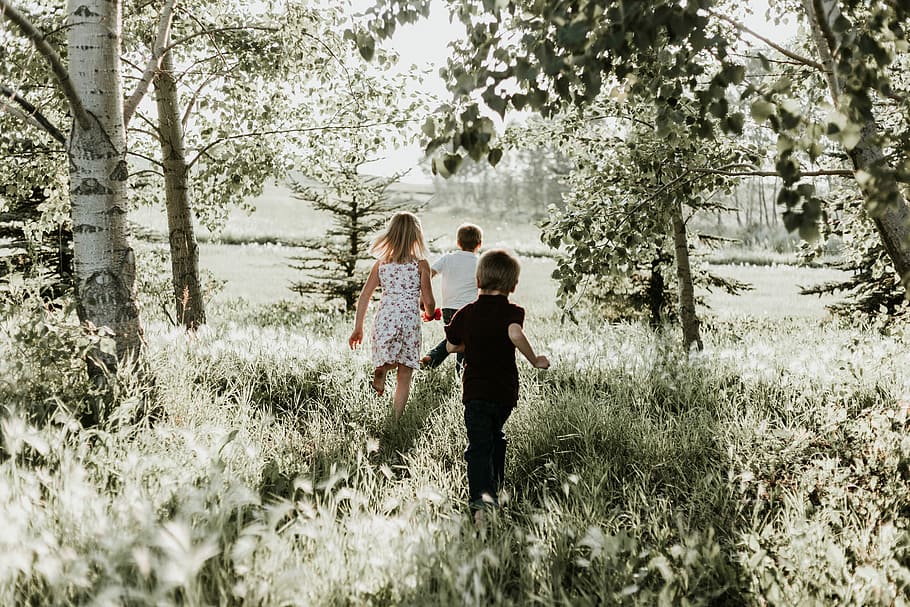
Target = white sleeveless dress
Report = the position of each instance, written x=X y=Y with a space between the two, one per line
x=396 y=327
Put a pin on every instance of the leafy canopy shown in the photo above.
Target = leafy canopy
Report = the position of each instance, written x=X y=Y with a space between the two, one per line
x=543 y=56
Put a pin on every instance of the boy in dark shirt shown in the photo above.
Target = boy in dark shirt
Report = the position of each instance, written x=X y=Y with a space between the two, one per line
x=488 y=331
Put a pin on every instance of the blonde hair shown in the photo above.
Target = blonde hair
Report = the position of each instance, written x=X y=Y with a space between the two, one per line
x=498 y=270
x=402 y=240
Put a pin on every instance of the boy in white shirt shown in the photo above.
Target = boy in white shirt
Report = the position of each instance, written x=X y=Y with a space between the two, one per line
x=459 y=286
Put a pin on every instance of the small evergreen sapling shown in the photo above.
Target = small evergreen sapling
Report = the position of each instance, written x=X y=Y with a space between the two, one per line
x=335 y=265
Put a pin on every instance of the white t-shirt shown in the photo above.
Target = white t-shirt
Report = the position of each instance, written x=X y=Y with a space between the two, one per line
x=459 y=280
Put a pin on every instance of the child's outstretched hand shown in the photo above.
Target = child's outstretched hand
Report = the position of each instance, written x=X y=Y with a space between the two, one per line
x=355 y=339
x=542 y=362
x=437 y=314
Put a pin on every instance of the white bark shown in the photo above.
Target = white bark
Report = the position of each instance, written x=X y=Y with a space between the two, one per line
x=158 y=50
x=892 y=221
x=104 y=262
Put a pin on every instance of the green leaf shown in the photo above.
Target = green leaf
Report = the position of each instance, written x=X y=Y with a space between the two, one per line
x=788 y=167
x=808 y=230
x=573 y=36
x=761 y=109
x=842 y=24
x=792 y=220
x=851 y=135
x=519 y=101
x=494 y=156
x=782 y=85
x=805 y=190
x=735 y=122
x=451 y=162
x=429 y=127
x=537 y=98
x=737 y=74
x=495 y=101
x=366 y=46
x=719 y=108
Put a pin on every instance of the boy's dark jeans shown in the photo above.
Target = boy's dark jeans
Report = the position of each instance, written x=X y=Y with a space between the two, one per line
x=486 y=452
x=439 y=353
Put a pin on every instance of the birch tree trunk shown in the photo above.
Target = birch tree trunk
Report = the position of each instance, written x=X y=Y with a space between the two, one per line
x=687 y=316
x=104 y=263
x=190 y=309
x=892 y=220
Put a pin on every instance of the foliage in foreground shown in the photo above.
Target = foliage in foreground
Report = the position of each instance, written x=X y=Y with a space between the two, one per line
x=873 y=292
x=770 y=469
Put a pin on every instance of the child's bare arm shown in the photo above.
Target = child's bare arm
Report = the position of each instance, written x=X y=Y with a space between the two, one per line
x=426 y=287
x=517 y=335
x=362 y=303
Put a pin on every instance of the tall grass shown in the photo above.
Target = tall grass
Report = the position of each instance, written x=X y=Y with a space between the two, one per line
x=770 y=469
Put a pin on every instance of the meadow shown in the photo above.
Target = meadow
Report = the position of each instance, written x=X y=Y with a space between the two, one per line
x=258 y=469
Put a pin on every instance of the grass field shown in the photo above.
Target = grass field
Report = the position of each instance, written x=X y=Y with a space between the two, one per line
x=280 y=217
x=258 y=469
x=261 y=273
x=769 y=470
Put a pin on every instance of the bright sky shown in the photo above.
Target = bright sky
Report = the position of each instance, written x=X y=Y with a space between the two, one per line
x=424 y=44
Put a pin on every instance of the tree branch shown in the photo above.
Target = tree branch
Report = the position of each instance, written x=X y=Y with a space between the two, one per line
x=21 y=115
x=146 y=158
x=39 y=154
x=188 y=70
x=760 y=173
x=137 y=8
x=780 y=49
x=151 y=125
x=158 y=50
x=53 y=58
x=629 y=117
x=212 y=144
x=208 y=32
x=769 y=60
x=144 y=171
x=344 y=67
x=132 y=65
x=192 y=102
x=31 y=114
x=152 y=134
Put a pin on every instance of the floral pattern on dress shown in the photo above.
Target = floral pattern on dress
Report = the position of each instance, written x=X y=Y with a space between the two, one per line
x=396 y=327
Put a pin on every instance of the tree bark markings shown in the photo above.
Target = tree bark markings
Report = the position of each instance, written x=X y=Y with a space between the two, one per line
x=104 y=263
x=190 y=308
x=687 y=316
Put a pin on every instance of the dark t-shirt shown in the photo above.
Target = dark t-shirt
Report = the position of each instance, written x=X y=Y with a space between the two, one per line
x=482 y=326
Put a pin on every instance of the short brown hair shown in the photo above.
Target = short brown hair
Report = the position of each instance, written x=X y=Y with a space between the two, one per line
x=469 y=236
x=498 y=270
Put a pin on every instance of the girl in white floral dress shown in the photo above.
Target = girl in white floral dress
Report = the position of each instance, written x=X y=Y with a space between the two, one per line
x=403 y=273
